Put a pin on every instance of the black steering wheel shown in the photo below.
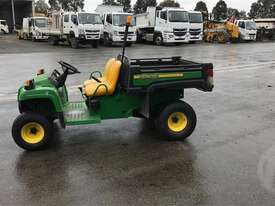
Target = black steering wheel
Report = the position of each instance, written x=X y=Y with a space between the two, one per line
x=68 y=68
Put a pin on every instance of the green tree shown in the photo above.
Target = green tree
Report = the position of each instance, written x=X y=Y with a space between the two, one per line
x=242 y=14
x=110 y=2
x=202 y=7
x=67 y=5
x=141 y=5
x=126 y=5
x=41 y=7
x=54 y=5
x=233 y=12
x=169 y=3
x=220 y=10
x=262 y=9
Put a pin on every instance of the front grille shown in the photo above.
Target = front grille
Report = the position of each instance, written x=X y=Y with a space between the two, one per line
x=195 y=32
x=122 y=33
x=180 y=32
x=92 y=31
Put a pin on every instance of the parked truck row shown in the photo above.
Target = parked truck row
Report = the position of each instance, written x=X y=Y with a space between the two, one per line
x=159 y=26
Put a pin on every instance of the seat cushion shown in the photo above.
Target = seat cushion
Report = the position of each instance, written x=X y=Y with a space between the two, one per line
x=109 y=79
x=90 y=89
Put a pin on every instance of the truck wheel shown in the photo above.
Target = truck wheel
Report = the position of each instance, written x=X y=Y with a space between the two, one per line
x=74 y=43
x=106 y=41
x=158 y=40
x=129 y=44
x=32 y=131
x=33 y=39
x=95 y=44
x=53 y=41
x=176 y=121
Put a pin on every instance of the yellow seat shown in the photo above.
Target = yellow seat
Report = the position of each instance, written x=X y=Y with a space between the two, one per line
x=108 y=81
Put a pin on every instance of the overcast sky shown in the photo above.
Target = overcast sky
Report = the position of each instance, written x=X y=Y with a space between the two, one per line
x=90 y=5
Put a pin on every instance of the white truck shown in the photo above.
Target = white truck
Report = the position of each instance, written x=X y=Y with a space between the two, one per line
x=75 y=28
x=168 y=25
x=34 y=28
x=114 y=21
x=4 y=27
x=196 y=26
x=248 y=30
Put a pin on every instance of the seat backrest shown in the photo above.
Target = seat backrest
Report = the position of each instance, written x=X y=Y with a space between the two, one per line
x=108 y=65
x=111 y=75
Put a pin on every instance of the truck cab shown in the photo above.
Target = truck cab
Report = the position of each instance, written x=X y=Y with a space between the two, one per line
x=173 y=25
x=35 y=28
x=114 y=28
x=84 y=26
x=4 y=27
x=196 y=26
x=75 y=28
x=248 y=29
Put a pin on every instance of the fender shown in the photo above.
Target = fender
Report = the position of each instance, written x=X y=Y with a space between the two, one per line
x=46 y=93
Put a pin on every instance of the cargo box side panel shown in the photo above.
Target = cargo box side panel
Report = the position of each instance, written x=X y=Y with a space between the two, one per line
x=146 y=79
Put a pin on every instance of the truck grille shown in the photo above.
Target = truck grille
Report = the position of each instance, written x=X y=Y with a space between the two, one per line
x=122 y=33
x=92 y=31
x=180 y=32
x=195 y=32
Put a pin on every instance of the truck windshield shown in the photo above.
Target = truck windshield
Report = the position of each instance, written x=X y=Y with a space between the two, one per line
x=195 y=18
x=120 y=19
x=3 y=23
x=41 y=23
x=250 y=25
x=178 y=16
x=86 y=18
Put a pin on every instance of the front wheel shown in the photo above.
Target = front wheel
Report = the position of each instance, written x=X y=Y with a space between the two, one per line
x=74 y=43
x=95 y=44
x=32 y=131
x=176 y=121
x=158 y=40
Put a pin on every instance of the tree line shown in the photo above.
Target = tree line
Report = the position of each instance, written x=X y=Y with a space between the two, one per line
x=259 y=9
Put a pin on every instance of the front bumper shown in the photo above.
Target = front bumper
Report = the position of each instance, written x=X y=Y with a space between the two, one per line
x=171 y=38
x=89 y=36
x=195 y=38
x=251 y=37
x=120 y=38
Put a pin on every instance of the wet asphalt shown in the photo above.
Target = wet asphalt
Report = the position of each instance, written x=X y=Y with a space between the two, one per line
x=229 y=159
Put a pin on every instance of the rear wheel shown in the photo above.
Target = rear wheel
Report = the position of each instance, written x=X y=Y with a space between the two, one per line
x=176 y=121
x=32 y=131
x=53 y=41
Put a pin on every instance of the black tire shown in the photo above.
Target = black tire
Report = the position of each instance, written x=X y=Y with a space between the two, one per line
x=106 y=41
x=95 y=44
x=33 y=39
x=74 y=43
x=53 y=41
x=41 y=124
x=129 y=44
x=158 y=40
x=183 y=129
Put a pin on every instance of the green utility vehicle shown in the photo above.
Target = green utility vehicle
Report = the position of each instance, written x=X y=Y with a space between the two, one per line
x=150 y=88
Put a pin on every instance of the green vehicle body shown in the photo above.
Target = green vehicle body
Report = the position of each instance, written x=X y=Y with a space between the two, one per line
x=55 y=102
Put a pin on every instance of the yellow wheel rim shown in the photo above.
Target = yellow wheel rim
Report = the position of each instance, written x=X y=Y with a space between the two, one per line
x=177 y=122
x=32 y=133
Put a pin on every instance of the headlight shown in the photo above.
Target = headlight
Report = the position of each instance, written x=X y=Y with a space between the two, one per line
x=81 y=31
